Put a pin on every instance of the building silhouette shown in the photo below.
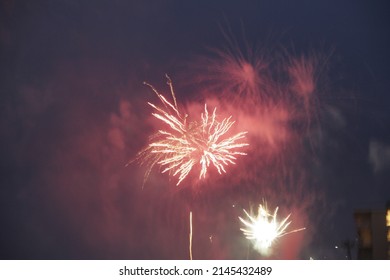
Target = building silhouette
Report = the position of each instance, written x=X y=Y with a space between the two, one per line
x=373 y=230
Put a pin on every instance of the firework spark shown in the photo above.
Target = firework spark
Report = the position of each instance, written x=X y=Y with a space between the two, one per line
x=265 y=228
x=185 y=144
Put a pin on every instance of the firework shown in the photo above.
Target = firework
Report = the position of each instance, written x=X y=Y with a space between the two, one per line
x=184 y=144
x=239 y=74
x=265 y=228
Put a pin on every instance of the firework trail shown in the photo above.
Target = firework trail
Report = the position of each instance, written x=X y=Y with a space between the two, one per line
x=265 y=228
x=186 y=144
x=235 y=72
x=190 y=236
x=304 y=74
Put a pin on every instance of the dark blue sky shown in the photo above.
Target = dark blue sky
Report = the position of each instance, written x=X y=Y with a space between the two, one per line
x=73 y=112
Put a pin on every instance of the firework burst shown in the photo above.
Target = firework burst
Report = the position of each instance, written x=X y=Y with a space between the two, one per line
x=186 y=144
x=265 y=228
x=234 y=73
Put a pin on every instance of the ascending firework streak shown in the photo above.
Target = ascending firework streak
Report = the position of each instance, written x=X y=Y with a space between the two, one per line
x=190 y=236
x=184 y=145
x=265 y=228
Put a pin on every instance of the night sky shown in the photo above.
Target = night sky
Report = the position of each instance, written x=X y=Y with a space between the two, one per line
x=74 y=112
